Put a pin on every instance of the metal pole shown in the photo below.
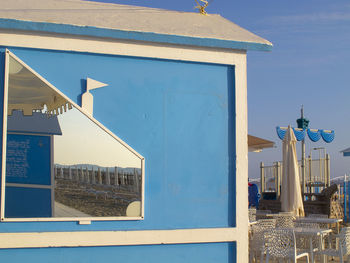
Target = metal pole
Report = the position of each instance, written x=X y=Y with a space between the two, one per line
x=345 y=202
x=303 y=157
x=328 y=170
x=262 y=178
x=348 y=199
x=278 y=180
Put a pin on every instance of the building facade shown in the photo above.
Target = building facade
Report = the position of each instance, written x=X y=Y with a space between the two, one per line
x=151 y=161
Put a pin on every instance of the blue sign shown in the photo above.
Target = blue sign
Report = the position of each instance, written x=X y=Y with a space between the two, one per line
x=27 y=202
x=28 y=159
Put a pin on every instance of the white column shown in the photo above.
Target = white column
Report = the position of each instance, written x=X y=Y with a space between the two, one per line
x=108 y=178
x=87 y=177
x=70 y=173
x=116 y=176
x=136 y=181
x=99 y=176
x=93 y=178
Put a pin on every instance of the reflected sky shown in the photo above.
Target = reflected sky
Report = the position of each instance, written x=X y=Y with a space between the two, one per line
x=84 y=142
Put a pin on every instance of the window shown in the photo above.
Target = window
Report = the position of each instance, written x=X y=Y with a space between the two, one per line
x=61 y=163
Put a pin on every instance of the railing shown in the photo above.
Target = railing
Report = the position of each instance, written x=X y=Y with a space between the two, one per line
x=270 y=181
x=317 y=176
x=317 y=173
x=127 y=179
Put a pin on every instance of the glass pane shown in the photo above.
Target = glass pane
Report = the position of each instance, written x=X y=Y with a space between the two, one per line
x=61 y=163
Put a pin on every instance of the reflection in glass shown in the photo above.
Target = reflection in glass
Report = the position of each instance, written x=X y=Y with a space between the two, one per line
x=59 y=162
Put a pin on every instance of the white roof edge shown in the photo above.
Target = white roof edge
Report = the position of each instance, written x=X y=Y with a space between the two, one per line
x=128 y=22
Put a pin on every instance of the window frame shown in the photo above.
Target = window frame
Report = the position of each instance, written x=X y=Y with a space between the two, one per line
x=81 y=220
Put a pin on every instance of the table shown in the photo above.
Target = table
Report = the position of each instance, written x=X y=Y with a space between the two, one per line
x=310 y=233
x=319 y=220
x=261 y=214
x=280 y=214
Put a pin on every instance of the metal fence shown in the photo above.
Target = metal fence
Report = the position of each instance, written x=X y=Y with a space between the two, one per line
x=317 y=175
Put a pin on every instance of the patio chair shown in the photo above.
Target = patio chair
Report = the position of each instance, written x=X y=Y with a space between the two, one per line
x=284 y=221
x=281 y=245
x=340 y=248
x=303 y=243
x=256 y=243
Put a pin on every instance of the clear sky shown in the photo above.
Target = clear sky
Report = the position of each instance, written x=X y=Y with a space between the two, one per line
x=309 y=66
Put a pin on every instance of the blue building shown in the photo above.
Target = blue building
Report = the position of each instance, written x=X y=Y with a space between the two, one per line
x=148 y=160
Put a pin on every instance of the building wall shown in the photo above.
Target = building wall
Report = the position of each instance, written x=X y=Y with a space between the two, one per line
x=180 y=116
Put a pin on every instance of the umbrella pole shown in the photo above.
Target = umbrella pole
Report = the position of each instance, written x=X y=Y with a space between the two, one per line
x=303 y=167
x=302 y=123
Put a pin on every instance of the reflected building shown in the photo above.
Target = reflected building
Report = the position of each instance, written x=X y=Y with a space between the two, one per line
x=75 y=185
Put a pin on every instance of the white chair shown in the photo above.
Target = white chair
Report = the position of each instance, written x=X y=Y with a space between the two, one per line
x=281 y=245
x=252 y=214
x=303 y=243
x=256 y=243
x=284 y=221
x=341 y=247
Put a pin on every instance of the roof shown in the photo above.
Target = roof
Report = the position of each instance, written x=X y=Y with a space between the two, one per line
x=127 y=22
x=256 y=144
x=28 y=92
x=36 y=123
x=346 y=152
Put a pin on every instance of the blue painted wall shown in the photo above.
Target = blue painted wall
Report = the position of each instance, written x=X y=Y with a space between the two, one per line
x=37 y=153
x=178 y=115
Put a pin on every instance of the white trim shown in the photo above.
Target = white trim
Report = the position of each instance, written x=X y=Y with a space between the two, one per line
x=4 y=136
x=41 y=186
x=52 y=169
x=63 y=42
x=117 y=238
x=143 y=188
x=142 y=159
x=77 y=219
x=241 y=123
x=31 y=134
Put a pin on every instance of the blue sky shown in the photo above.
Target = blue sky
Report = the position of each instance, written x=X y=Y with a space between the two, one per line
x=309 y=66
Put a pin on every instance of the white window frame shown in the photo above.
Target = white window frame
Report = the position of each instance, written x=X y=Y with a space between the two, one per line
x=81 y=220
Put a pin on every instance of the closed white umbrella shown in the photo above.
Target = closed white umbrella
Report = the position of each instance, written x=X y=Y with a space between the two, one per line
x=291 y=198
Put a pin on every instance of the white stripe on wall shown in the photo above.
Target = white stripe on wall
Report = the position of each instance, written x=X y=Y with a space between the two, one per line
x=41 y=186
x=117 y=238
x=115 y=47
